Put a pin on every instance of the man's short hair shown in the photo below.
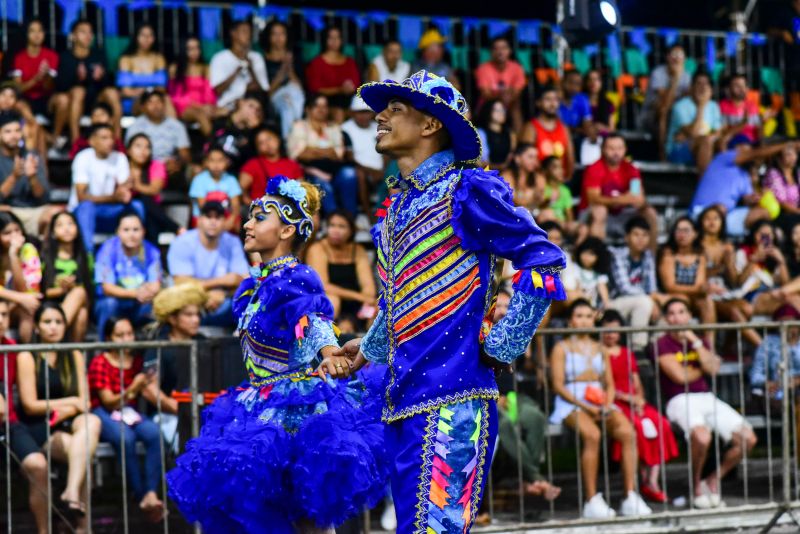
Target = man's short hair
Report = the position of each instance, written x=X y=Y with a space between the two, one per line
x=7 y=117
x=94 y=128
x=612 y=135
x=242 y=22
x=637 y=222
x=551 y=225
x=147 y=95
x=701 y=73
x=672 y=301
x=549 y=88
x=102 y=105
x=77 y=23
x=499 y=38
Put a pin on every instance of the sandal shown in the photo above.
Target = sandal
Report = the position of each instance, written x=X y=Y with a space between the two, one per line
x=74 y=510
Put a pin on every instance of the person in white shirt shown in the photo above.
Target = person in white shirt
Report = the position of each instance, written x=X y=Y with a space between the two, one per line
x=389 y=65
x=238 y=69
x=101 y=191
x=362 y=130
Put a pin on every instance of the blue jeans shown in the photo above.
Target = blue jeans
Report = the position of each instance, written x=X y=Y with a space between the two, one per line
x=288 y=101
x=101 y=217
x=222 y=316
x=341 y=192
x=148 y=433
x=108 y=307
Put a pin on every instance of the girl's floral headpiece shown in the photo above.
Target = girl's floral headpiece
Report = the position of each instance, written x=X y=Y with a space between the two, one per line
x=281 y=186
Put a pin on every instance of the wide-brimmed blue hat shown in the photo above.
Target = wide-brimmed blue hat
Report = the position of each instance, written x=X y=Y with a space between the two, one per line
x=436 y=96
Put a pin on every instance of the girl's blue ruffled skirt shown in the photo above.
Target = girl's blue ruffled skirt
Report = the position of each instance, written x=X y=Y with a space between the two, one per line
x=269 y=456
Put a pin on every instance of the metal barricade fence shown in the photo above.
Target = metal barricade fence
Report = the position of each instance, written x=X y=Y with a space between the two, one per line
x=754 y=498
x=13 y=464
x=753 y=501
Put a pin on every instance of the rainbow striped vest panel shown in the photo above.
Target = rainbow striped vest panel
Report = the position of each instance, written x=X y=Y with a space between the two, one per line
x=435 y=295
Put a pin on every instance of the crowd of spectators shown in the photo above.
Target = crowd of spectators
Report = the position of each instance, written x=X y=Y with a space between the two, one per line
x=216 y=132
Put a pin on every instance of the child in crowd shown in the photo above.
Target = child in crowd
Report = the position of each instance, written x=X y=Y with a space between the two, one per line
x=216 y=178
x=556 y=198
x=20 y=268
x=587 y=276
x=66 y=272
x=647 y=422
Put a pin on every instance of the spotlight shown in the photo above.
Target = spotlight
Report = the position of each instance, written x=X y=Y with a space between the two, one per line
x=588 y=21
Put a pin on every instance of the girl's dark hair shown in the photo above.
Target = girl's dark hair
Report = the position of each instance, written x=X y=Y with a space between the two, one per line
x=513 y=167
x=723 y=230
x=549 y=160
x=485 y=114
x=268 y=31
x=65 y=363
x=111 y=323
x=83 y=276
x=146 y=167
x=595 y=245
x=126 y=214
x=578 y=303
x=348 y=217
x=326 y=33
x=271 y=128
x=749 y=240
x=7 y=217
x=182 y=62
x=611 y=316
x=133 y=46
x=672 y=243
x=32 y=22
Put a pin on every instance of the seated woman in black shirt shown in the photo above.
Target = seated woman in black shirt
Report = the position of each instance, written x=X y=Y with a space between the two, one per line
x=494 y=127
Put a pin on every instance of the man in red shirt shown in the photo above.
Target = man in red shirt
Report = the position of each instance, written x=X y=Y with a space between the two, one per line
x=548 y=134
x=35 y=68
x=612 y=192
x=739 y=115
x=27 y=451
x=502 y=77
x=270 y=161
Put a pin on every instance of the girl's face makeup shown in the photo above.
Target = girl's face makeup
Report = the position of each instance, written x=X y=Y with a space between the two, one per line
x=263 y=230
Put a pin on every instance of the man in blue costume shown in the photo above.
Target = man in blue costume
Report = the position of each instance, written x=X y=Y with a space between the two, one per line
x=436 y=245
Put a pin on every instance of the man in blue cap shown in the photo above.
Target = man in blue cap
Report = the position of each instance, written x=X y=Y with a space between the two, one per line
x=436 y=243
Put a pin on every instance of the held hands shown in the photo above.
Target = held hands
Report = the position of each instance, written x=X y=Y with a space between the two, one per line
x=352 y=352
x=335 y=366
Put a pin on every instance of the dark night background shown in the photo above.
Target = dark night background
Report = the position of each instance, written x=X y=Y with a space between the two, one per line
x=700 y=14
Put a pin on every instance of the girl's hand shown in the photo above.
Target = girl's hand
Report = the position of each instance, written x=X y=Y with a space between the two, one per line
x=30 y=302
x=66 y=282
x=335 y=366
x=593 y=411
x=16 y=244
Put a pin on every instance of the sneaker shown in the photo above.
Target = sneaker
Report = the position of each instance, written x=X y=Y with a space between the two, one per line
x=388 y=518
x=714 y=498
x=597 y=508
x=634 y=505
x=703 y=502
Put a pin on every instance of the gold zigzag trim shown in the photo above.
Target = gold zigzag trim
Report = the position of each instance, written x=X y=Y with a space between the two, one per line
x=389 y=416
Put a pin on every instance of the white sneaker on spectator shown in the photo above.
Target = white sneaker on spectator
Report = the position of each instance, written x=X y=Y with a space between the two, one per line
x=715 y=499
x=59 y=148
x=634 y=505
x=703 y=502
x=388 y=518
x=597 y=508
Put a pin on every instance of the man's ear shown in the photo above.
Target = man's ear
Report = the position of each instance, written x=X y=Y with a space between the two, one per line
x=432 y=126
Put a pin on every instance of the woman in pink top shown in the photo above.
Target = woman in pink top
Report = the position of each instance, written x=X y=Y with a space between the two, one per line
x=190 y=90
x=781 y=179
x=148 y=178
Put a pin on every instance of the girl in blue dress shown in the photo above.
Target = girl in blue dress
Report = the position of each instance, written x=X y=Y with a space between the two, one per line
x=299 y=446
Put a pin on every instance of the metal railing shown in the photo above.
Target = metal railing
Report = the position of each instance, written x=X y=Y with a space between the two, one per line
x=765 y=505
x=769 y=485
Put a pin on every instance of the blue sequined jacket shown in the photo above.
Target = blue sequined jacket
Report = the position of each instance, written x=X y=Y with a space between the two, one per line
x=436 y=254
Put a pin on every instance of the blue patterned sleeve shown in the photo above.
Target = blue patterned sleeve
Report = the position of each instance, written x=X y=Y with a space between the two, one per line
x=319 y=334
x=375 y=345
x=508 y=338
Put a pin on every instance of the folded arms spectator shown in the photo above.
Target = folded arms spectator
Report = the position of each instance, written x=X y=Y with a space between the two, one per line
x=333 y=74
x=212 y=258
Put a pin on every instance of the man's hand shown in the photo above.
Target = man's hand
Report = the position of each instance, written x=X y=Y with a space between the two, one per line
x=19 y=167
x=335 y=366
x=146 y=292
x=173 y=165
x=352 y=352
x=98 y=72
x=123 y=194
x=215 y=298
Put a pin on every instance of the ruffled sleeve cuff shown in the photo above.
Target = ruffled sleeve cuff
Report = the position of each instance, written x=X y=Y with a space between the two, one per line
x=375 y=345
x=542 y=282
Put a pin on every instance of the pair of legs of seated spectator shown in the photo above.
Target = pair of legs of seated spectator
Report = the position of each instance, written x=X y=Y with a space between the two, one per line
x=102 y=217
x=698 y=415
x=288 y=101
x=143 y=485
x=604 y=222
x=341 y=192
x=697 y=151
x=69 y=107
